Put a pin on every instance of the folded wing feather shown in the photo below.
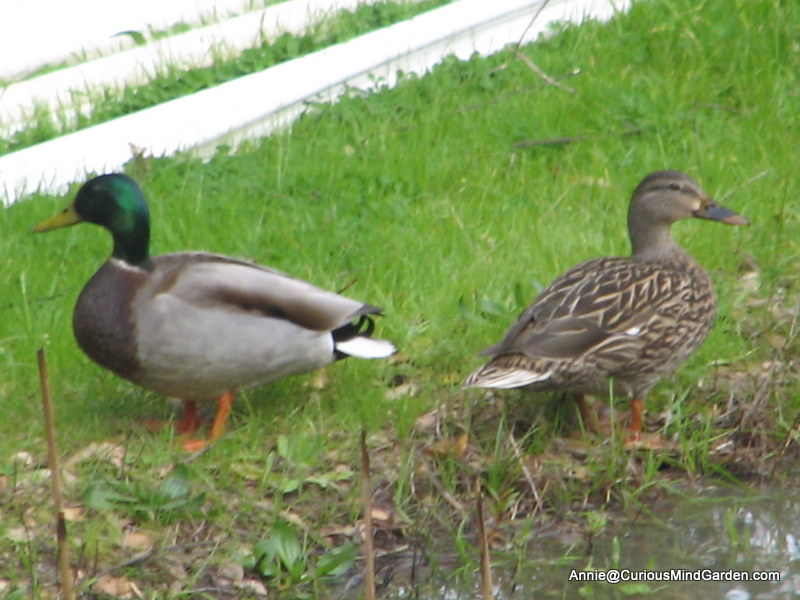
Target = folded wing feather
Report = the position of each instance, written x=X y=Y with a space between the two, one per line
x=226 y=284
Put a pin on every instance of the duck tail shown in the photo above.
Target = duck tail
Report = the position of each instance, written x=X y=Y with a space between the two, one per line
x=492 y=376
x=354 y=339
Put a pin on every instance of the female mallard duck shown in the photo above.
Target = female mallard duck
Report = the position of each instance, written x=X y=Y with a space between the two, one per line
x=630 y=321
x=200 y=326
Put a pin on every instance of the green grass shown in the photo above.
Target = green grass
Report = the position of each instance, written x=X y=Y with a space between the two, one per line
x=421 y=195
x=174 y=82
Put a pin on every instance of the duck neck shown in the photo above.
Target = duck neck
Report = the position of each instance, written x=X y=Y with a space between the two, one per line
x=133 y=245
x=653 y=242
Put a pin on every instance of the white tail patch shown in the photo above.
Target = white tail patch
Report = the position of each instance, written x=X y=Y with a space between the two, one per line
x=493 y=378
x=364 y=347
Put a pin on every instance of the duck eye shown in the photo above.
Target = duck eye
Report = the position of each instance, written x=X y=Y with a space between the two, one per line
x=675 y=186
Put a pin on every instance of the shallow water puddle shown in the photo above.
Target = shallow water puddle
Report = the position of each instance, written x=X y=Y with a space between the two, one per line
x=711 y=546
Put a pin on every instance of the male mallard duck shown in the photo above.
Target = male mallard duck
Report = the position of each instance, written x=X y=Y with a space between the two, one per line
x=200 y=326
x=630 y=321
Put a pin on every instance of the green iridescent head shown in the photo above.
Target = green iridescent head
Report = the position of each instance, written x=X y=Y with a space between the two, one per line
x=117 y=203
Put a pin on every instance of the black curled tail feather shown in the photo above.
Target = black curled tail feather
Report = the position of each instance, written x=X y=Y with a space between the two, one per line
x=364 y=327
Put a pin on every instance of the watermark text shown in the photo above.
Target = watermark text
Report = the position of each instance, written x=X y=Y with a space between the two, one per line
x=625 y=575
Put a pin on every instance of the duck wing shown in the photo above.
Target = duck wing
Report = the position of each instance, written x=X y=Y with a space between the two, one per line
x=599 y=308
x=225 y=284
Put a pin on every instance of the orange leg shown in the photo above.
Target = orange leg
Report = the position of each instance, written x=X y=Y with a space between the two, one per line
x=636 y=438
x=588 y=416
x=191 y=420
x=637 y=417
x=223 y=408
x=218 y=428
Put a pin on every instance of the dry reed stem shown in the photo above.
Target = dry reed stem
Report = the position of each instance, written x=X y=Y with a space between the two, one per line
x=486 y=565
x=64 y=569
x=369 y=547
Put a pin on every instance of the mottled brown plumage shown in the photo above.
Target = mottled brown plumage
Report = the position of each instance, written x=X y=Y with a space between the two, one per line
x=628 y=321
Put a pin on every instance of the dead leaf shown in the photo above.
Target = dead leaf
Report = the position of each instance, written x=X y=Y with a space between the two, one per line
x=777 y=341
x=294 y=518
x=108 y=451
x=461 y=445
x=580 y=472
x=749 y=282
x=407 y=388
x=378 y=514
x=23 y=460
x=17 y=534
x=427 y=422
x=116 y=587
x=450 y=447
x=252 y=585
x=231 y=571
x=648 y=441
x=136 y=540
x=74 y=513
x=175 y=569
x=334 y=530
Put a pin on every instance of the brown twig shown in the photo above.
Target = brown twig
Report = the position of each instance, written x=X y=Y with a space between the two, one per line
x=550 y=80
x=743 y=185
x=759 y=398
x=563 y=141
x=486 y=565
x=369 y=547
x=511 y=94
x=451 y=500
x=64 y=569
x=525 y=470
x=147 y=555
x=535 y=16
x=348 y=285
x=134 y=560
x=786 y=441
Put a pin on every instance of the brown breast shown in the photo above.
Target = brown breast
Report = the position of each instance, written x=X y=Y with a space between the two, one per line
x=103 y=319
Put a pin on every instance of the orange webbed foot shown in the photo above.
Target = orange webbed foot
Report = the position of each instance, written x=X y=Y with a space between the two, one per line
x=192 y=418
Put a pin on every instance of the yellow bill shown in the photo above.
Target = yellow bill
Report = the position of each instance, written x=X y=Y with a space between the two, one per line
x=65 y=218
